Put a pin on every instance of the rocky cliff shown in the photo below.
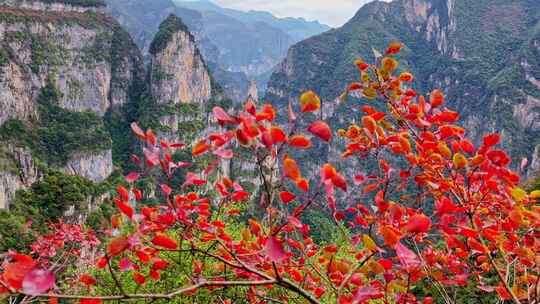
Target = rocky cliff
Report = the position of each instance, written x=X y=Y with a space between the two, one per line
x=178 y=73
x=483 y=53
x=64 y=67
x=180 y=81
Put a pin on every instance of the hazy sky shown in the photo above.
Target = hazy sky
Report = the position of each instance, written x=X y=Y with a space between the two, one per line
x=332 y=12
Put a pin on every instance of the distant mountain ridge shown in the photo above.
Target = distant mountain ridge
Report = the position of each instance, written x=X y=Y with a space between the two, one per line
x=297 y=28
x=239 y=46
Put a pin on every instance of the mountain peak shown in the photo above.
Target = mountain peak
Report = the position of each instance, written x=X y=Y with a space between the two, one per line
x=167 y=28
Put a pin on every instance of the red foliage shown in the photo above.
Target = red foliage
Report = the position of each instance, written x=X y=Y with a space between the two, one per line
x=482 y=223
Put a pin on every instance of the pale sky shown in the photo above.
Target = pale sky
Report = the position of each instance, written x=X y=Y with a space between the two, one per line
x=332 y=12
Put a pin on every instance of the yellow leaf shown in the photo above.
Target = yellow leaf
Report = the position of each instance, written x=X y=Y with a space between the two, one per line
x=406 y=76
x=459 y=160
x=369 y=93
x=365 y=77
x=444 y=150
x=369 y=242
x=518 y=194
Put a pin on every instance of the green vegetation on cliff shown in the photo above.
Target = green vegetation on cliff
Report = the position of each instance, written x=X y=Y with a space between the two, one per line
x=167 y=29
x=46 y=201
x=60 y=132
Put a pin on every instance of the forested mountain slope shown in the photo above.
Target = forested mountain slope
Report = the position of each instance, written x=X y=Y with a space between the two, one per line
x=484 y=53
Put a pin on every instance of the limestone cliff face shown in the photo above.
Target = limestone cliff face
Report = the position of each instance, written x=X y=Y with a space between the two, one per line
x=180 y=81
x=90 y=59
x=73 y=48
x=178 y=71
x=17 y=171
x=94 y=166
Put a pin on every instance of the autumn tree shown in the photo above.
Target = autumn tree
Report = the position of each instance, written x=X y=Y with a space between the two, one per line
x=427 y=206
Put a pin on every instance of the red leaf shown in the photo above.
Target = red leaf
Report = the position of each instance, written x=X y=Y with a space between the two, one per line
x=277 y=134
x=366 y=293
x=132 y=177
x=152 y=157
x=14 y=273
x=491 y=140
x=418 y=223
x=290 y=169
x=239 y=195
x=166 y=189
x=274 y=249
x=124 y=194
x=165 y=242
x=90 y=301
x=299 y=141
x=138 y=278
x=125 y=264
x=87 y=280
x=303 y=184
x=295 y=222
x=222 y=116
x=339 y=181
x=224 y=153
x=407 y=258
x=393 y=49
x=137 y=193
x=101 y=263
x=125 y=208
x=321 y=130
x=38 y=281
x=286 y=197
x=309 y=102
x=151 y=137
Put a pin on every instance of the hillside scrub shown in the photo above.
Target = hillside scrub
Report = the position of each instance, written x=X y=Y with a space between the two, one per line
x=432 y=216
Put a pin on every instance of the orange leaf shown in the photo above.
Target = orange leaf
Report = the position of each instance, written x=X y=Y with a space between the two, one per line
x=199 y=148
x=328 y=172
x=299 y=141
x=389 y=64
x=309 y=102
x=390 y=236
x=117 y=246
x=406 y=76
x=290 y=169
